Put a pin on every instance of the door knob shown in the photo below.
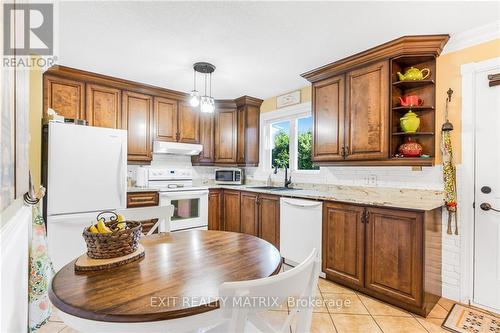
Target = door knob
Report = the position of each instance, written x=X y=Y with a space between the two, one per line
x=486 y=206
x=486 y=189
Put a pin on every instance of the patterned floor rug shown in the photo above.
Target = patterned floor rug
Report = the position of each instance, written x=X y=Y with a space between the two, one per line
x=462 y=319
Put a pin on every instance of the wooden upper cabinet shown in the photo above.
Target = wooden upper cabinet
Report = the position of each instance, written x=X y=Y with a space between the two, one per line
x=240 y=150
x=394 y=254
x=248 y=130
x=249 y=213
x=137 y=114
x=189 y=123
x=65 y=96
x=226 y=120
x=206 y=157
x=269 y=219
x=355 y=103
x=103 y=106
x=214 y=209
x=165 y=119
x=343 y=243
x=232 y=209
x=328 y=119
x=367 y=112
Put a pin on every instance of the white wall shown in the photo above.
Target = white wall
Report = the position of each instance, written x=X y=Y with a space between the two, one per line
x=14 y=263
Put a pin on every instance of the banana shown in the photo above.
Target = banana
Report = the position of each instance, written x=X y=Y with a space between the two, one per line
x=93 y=229
x=121 y=225
x=102 y=228
x=120 y=218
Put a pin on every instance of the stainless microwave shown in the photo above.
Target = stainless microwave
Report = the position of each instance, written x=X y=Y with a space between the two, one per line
x=234 y=176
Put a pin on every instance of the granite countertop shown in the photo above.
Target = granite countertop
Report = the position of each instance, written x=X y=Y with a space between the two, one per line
x=415 y=199
x=141 y=189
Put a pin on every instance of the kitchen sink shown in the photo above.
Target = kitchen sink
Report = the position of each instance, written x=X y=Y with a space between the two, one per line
x=274 y=188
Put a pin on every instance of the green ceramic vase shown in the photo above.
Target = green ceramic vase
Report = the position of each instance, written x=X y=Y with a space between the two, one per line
x=410 y=122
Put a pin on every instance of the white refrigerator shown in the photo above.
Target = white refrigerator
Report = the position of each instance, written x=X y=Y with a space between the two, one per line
x=86 y=174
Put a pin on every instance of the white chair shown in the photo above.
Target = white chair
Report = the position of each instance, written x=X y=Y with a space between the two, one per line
x=241 y=309
x=162 y=213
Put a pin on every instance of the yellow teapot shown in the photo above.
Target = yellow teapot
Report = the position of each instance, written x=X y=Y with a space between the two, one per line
x=414 y=74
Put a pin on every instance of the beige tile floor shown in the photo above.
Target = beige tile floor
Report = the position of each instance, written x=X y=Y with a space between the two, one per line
x=342 y=310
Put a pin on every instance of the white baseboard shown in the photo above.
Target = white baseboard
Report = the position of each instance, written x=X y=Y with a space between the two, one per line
x=451 y=292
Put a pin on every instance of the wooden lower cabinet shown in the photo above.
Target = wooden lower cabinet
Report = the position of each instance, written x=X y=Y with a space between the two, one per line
x=343 y=243
x=269 y=218
x=247 y=212
x=394 y=254
x=214 y=209
x=390 y=254
x=144 y=199
x=231 y=209
x=249 y=216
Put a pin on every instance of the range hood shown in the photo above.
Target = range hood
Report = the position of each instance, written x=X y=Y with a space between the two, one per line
x=175 y=148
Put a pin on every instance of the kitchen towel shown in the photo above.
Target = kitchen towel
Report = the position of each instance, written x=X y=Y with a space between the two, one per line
x=40 y=273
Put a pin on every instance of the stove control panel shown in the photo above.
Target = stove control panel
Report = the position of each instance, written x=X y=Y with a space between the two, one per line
x=169 y=174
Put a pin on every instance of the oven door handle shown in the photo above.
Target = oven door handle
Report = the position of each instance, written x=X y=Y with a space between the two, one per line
x=184 y=194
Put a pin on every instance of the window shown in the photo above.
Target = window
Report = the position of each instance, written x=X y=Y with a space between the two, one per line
x=290 y=142
x=280 y=144
x=304 y=144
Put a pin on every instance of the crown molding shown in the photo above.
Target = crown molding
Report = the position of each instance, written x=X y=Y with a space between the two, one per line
x=425 y=45
x=248 y=100
x=473 y=37
x=96 y=78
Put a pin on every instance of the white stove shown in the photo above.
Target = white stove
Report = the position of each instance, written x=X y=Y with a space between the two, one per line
x=176 y=188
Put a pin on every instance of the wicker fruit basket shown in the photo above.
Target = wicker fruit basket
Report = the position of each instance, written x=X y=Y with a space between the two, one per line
x=116 y=243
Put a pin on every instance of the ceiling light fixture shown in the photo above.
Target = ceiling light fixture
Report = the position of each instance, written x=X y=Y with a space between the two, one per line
x=206 y=102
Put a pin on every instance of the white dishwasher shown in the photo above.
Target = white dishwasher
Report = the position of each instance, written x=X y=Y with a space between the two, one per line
x=300 y=228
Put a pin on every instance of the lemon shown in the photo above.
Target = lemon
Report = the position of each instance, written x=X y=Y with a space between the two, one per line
x=102 y=228
x=93 y=229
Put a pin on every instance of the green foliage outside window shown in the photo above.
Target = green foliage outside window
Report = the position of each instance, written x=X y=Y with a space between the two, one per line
x=305 y=151
x=280 y=152
x=280 y=156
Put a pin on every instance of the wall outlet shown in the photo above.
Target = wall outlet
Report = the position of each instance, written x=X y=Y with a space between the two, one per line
x=372 y=180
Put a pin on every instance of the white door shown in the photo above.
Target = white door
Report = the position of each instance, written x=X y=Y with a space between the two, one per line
x=86 y=169
x=487 y=192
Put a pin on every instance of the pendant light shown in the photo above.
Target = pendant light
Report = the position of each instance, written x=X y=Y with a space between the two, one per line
x=206 y=102
x=194 y=97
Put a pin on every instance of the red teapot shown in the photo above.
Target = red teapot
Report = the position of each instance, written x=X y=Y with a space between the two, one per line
x=411 y=100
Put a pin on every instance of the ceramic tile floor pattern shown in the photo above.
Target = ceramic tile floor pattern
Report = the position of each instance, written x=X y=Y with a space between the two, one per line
x=343 y=311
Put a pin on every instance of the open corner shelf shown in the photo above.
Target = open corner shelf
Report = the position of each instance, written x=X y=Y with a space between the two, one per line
x=412 y=161
x=425 y=90
x=412 y=134
x=412 y=84
x=413 y=108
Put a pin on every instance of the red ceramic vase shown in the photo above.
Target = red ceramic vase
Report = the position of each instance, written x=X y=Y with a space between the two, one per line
x=410 y=148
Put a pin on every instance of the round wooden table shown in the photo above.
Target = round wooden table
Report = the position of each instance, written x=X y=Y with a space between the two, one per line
x=178 y=278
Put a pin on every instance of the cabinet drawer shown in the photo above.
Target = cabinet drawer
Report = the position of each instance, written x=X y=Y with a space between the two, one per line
x=142 y=199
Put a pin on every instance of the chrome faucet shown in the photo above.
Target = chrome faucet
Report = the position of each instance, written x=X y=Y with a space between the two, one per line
x=288 y=180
